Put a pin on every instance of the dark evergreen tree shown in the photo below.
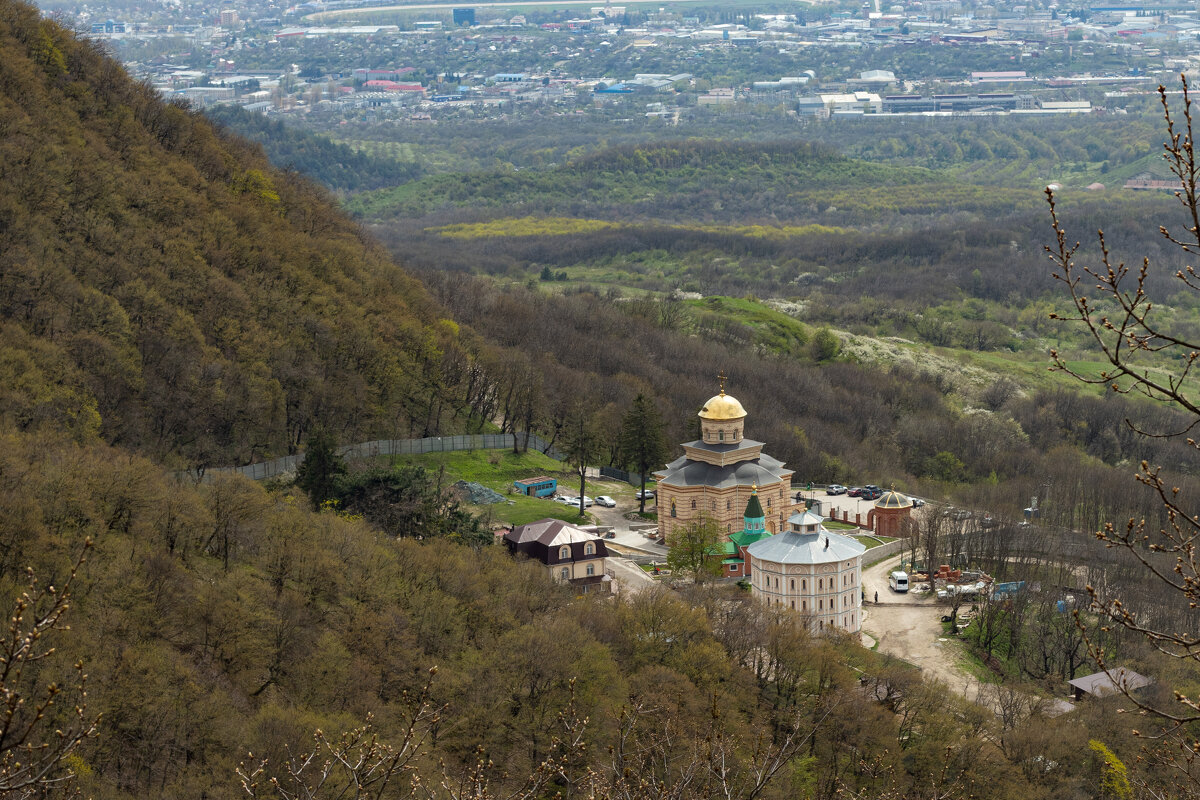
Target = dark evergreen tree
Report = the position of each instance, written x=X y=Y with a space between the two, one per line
x=409 y=502
x=319 y=471
x=643 y=442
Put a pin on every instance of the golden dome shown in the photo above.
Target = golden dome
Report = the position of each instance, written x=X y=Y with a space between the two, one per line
x=894 y=499
x=722 y=407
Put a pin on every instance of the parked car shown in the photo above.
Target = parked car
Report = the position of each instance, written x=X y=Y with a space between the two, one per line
x=606 y=501
x=587 y=501
x=917 y=502
x=835 y=488
x=648 y=494
x=567 y=500
x=854 y=492
x=871 y=494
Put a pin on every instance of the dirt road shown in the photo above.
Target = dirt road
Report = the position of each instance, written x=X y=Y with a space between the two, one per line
x=908 y=626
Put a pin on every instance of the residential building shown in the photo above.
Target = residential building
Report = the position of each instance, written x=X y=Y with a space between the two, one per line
x=570 y=554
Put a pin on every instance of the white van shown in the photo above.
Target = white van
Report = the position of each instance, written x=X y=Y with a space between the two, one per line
x=898 y=581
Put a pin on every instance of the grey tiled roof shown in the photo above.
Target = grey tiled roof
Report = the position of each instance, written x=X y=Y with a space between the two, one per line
x=791 y=547
x=761 y=471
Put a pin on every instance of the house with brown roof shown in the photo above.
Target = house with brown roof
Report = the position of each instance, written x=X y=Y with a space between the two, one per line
x=571 y=554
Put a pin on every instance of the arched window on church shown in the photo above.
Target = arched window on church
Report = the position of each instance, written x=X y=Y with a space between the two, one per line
x=565 y=573
x=693 y=504
x=672 y=506
x=589 y=549
x=721 y=436
x=564 y=552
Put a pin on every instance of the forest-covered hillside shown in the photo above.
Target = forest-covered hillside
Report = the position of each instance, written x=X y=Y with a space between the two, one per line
x=169 y=299
x=702 y=181
x=162 y=287
x=336 y=166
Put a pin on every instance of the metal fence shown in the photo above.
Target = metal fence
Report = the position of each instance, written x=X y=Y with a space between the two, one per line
x=632 y=478
x=398 y=447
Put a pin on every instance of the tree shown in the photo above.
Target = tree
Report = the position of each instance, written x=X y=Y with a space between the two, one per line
x=318 y=472
x=825 y=345
x=1114 y=776
x=1150 y=354
x=41 y=726
x=409 y=502
x=581 y=445
x=643 y=443
x=693 y=546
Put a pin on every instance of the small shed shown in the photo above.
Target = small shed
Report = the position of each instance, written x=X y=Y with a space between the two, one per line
x=536 y=487
x=1115 y=681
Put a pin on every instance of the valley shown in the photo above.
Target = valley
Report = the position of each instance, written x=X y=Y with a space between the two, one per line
x=607 y=230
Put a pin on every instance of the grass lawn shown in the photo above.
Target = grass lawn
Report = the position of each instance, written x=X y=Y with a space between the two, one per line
x=834 y=525
x=872 y=541
x=531 y=509
x=495 y=469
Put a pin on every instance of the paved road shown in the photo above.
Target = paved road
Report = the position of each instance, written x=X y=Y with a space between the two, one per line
x=629 y=576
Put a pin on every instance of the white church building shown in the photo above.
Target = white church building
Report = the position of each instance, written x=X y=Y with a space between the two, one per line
x=809 y=569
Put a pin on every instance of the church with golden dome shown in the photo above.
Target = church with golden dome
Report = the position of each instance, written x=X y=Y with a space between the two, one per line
x=717 y=474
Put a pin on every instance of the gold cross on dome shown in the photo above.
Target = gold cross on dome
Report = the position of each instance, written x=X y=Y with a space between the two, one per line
x=722 y=378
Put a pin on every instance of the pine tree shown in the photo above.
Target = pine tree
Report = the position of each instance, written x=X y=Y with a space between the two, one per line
x=318 y=472
x=643 y=443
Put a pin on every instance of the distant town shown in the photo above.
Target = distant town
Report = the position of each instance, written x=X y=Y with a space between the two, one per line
x=666 y=62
